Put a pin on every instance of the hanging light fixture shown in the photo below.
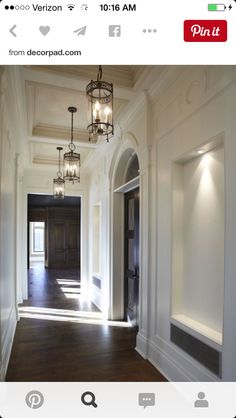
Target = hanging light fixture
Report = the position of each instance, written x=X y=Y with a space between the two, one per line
x=59 y=183
x=72 y=158
x=100 y=98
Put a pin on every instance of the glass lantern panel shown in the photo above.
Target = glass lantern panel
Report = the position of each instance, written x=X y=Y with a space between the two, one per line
x=59 y=189
x=71 y=167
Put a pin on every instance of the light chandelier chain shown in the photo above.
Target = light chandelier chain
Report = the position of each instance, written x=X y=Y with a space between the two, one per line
x=71 y=161
x=71 y=145
x=59 y=173
x=99 y=75
x=59 y=161
x=59 y=183
x=72 y=127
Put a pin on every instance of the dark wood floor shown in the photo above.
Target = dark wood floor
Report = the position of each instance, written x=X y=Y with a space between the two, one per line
x=49 y=288
x=51 y=350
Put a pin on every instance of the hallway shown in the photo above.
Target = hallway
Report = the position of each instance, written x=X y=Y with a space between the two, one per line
x=56 y=349
x=151 y=224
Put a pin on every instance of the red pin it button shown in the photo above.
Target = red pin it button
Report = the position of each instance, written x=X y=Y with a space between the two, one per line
x=205 y=30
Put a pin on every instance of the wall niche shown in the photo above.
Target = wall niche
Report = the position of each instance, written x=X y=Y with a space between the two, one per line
x=198 y=235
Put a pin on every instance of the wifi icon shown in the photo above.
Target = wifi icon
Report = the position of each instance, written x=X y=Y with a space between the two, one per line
x=70 y=6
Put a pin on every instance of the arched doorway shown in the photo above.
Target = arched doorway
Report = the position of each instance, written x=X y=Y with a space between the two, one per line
x=125 y=238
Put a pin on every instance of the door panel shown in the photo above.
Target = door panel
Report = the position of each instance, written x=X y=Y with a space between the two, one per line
x=57 y=241
x=64 y=238
x=73 y=243
x=59 y=236
x=132 y=256
x=73 y=235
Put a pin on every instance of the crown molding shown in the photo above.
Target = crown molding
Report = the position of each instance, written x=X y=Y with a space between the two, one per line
x=120 y=75
x=57 y=132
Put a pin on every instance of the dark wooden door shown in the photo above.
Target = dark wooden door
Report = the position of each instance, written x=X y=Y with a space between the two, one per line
x=132 y=256
x=64 y=238
x=73 y=243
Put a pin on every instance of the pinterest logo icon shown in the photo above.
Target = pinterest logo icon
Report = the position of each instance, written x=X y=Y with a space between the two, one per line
x=34 y=399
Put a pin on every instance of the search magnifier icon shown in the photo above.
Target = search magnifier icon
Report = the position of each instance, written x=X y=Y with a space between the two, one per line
x=89 y=399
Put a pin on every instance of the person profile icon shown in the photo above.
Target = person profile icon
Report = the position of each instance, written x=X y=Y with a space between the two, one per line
x=201 y=402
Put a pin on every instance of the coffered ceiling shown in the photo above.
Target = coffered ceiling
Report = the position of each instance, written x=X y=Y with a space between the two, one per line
x=50 y=90
x=48 y=115
x=121 y=75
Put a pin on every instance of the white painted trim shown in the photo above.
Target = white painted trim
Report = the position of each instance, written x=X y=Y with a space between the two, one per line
x=166 y=365
x=134 y=107
x=83 y=235
x=198 y=330
x=7 y=343
x=142 y=345
x=97 y=297
x=127 y=187
x=162 y=357
x=176 y=365
x=116 y=302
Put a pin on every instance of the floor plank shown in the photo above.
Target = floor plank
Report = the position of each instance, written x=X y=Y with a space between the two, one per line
x=51 y=350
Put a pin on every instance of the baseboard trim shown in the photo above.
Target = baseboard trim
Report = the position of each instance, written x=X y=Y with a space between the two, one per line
x=7 y=344
x=176 y=365
x=142 y=345
x=166 y=366
x=96 y=297
x=171 y=362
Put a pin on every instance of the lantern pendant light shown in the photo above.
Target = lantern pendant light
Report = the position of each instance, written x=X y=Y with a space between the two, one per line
x=59 y=183
x=100 y=99
x=72 y=158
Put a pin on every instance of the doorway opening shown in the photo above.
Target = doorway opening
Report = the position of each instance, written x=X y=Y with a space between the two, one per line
x=54 y=231
x=54 y=235
x=126 y=256
x=131 y=268
x=37 y=244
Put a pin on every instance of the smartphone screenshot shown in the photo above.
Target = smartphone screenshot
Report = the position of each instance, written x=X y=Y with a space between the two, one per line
x=117 y=208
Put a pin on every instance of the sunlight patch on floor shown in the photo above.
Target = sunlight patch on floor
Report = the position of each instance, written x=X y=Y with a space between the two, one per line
x=64 y=312
x=70 y=290
x=65 y=282
x=73 y=296
x=44 y=314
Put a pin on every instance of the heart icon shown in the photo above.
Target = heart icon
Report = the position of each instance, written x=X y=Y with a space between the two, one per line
x=44 y=30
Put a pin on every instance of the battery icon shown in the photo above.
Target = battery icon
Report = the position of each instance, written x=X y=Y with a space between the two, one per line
x=215 y=7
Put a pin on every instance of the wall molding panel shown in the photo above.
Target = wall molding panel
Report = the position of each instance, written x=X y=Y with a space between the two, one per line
x=7 y=343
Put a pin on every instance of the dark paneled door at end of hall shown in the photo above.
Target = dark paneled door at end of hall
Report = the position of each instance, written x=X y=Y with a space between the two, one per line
x=132 y=257
x=64 y=238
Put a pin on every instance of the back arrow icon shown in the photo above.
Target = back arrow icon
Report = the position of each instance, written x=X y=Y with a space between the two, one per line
x=12 y=31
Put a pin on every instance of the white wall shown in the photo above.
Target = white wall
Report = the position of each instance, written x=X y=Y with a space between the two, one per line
x=108 y=175
x=97 y=243
x=200 y=112
x=99 y=195
x=8 y=222
x=203 y=284
x=190 y=108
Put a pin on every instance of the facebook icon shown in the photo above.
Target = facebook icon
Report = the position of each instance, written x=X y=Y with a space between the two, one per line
x=115 y=31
